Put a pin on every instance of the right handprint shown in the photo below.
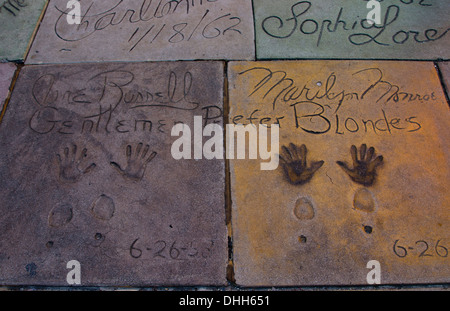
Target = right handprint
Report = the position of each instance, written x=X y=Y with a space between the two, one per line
x=136 y=162
x=364 y=169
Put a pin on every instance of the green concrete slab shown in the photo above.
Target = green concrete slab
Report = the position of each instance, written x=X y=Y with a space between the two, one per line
x=412 y=29
x=143 y=30
x=364 y=174
x=19 y=20
x=88 y=174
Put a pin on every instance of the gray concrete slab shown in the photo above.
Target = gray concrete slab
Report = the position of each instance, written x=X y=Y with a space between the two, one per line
x=7 y=71
x=146 y=30
x=87 y=174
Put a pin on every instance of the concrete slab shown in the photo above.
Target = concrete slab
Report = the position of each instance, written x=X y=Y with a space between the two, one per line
x=7 y=71
x=87 y=174
x=143 y=30
x=19 y=20
x=340 y=29
x=444 y=67
x=363 y=175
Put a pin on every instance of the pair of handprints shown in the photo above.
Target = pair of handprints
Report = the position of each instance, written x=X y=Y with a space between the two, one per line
x=71 y=163
x=293 y=162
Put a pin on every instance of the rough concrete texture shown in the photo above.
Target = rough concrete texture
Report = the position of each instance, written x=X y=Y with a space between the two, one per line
x=340 y=29
x=142 y=30
x=364 y=173
x=6 y=75
x=19 y=20
x=444 y=67
x=87 y=174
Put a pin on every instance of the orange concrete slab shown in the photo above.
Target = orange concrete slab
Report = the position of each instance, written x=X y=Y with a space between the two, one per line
x=364 y=173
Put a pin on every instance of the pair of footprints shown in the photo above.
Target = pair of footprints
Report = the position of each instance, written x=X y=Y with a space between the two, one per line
x=71 y=161
x=293 y=162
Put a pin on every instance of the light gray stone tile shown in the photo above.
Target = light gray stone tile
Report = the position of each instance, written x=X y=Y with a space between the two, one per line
x=146 y=30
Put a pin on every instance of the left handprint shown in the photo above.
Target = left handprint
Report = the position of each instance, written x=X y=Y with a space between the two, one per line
x=70 y=165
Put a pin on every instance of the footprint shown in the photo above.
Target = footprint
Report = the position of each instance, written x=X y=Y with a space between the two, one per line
x=60 y=215
x=103 y=207
x=364 y=200
x=304 y=209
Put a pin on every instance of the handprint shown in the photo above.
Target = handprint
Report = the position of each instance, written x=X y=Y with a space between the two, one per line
x=364 y=170
x=69 y=165
x=293 y=161
x=136 y=162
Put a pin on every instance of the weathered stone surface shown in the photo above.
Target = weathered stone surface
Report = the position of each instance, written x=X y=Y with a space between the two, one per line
x=87 y=174
x=141 y=30
x=339 y=29
x=390 y=204
x=7 y=71
x=18 y=20
x=444 y=67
